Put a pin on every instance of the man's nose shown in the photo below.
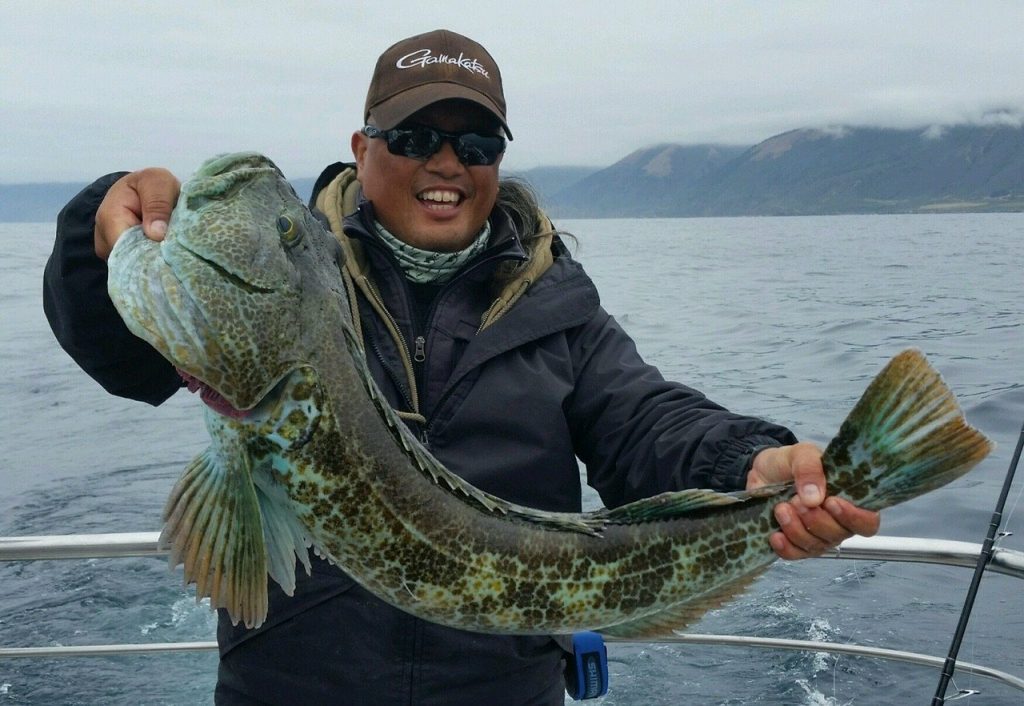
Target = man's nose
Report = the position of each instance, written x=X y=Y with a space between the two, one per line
x=445 y=161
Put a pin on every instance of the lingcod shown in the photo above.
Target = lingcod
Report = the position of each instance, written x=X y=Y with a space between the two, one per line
x=245 y=297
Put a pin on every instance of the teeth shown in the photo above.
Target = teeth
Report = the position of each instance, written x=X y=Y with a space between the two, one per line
x=439 y=196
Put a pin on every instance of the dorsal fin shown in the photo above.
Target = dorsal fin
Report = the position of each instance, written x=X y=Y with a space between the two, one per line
x=679 y=503
x=585 y=523
x=425 y=463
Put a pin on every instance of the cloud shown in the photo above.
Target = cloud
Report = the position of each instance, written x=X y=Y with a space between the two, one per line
x=97 y=87
x=1010 y=117
x=836 y=132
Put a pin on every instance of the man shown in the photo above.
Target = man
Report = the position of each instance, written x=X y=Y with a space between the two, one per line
x=489 y=340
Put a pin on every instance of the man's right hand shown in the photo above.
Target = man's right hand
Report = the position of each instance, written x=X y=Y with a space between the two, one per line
x=146 y=196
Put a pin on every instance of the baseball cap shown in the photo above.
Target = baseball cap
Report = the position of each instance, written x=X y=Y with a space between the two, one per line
x=421 y=70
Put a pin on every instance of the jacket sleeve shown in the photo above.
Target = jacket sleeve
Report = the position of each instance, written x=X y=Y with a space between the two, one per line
x=84 y=319
x=640 y=435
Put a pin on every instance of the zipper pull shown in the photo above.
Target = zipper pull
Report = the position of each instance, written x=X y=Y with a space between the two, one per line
x=420 y=349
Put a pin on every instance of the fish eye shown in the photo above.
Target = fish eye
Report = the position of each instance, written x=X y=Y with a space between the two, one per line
x=286 y=227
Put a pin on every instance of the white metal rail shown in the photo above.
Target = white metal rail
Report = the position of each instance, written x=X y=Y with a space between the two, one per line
x=908 y=549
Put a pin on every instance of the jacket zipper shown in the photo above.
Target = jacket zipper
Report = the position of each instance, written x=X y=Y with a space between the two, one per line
x=420 y=342
x=419 y=354
x=413 y=392
x=402 y=387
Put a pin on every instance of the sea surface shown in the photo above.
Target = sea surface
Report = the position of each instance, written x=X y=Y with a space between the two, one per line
x=786 y=318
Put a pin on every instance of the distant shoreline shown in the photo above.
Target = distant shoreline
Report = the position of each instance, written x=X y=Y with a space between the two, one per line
x=847 y=171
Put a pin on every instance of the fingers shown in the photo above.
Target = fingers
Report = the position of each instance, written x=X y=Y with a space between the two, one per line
x=853 y=519
x=147 y=196
x=807 y=532
x=810 y=523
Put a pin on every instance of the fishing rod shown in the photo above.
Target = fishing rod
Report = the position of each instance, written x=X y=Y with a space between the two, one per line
x=983 y=558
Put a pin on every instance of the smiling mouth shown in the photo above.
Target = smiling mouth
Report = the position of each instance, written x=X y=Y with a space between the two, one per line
x=440 y=199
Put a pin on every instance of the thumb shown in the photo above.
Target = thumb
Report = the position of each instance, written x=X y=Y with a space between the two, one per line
x=808 y=474
x=155 y=226
x=158 y=191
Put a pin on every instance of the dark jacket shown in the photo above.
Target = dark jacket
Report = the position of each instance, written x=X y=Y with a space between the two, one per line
x=509 y=407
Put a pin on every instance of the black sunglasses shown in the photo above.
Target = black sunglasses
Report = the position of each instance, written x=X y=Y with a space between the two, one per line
x=421 y=142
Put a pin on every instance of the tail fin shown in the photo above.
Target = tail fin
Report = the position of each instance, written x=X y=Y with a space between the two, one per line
x=905 y=437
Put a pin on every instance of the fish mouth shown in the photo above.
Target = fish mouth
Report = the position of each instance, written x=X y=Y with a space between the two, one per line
x=223 y=273
x=157 y=301
x=284 y=387
x=218 y=296
x=211 y=398
x=287 y=414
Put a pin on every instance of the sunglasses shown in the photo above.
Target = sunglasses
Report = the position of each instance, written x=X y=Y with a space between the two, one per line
x=420 y=142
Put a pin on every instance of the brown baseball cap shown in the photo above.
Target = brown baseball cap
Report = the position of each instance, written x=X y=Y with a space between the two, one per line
x=438 y=65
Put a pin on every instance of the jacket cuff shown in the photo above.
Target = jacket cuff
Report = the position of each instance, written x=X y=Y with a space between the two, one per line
x=736 y=458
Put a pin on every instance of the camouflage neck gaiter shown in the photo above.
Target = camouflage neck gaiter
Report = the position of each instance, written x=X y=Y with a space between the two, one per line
x=427 y=266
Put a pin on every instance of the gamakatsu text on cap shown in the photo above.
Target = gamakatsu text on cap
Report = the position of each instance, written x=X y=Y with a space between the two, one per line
x=423 y=57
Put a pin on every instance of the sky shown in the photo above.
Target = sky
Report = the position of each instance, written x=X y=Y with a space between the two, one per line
x=89 y=88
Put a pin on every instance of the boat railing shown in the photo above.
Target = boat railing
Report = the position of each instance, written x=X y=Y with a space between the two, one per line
x=902 y=549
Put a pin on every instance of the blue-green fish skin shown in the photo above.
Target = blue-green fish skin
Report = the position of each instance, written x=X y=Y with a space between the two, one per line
x=246 y=295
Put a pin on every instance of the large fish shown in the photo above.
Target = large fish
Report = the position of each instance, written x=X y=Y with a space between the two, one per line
x=246 y=298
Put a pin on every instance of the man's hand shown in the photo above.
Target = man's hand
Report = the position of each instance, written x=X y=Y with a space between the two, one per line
x=811 y=522
x=146 y=196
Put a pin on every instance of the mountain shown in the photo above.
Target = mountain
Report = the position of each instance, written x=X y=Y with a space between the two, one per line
x=649 y=182
x=802 y=172
x=551 y=180
x=29 y=203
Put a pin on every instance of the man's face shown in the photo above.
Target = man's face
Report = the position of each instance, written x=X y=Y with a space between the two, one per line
x=440 y=204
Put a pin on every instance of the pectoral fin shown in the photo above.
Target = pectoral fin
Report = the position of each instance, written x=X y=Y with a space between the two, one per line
x=213 y=525
x=285 y=537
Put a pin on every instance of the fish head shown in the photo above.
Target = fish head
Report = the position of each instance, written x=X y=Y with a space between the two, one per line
x=237 y=294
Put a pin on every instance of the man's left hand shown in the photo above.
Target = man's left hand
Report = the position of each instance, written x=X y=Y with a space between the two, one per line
x=811 y=522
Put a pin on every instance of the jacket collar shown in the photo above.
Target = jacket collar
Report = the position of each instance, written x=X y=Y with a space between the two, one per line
x=559 y=293
x=337 y=196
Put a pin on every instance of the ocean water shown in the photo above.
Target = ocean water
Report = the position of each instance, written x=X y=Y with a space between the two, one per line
x=786 y=318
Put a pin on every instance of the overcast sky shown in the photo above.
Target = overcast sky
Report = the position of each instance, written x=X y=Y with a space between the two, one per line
x=87 y=88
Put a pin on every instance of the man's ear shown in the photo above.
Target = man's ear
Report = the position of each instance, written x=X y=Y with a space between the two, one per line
x=360 y=142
